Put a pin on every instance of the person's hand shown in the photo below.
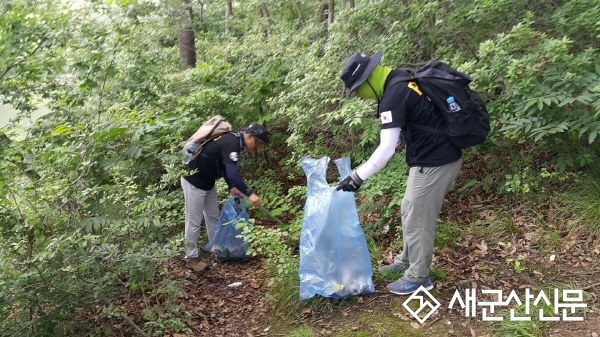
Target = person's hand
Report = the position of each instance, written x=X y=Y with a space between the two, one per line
x=255 y=200
x=350 y=184
x=235 y=191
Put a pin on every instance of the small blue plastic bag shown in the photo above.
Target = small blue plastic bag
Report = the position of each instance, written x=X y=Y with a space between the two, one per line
x=225 y=244
x=334 y=257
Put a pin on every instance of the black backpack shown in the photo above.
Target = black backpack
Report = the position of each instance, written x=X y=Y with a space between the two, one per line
x=467 y=127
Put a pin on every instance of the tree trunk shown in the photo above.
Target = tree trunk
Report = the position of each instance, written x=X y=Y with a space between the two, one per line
x=349 y=3
x=300 y=16
x=323 y=13
x=228 y=13
x=264 y=13
x=201 y=49
x=186 y=36
x=330 y=12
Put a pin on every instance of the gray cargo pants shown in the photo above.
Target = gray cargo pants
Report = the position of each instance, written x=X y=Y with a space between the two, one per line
x=426 y=189
x=198 y=204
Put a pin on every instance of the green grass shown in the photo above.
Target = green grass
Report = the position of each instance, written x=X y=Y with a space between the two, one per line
x=534 y=327
x=387 y=276
x=374 y=250
x=436 y=274
x=550 y=240
x=302 y=331
x=500 y=227
x=283 y=297
x=447 y=234
x=380 y=323
x=580 y=209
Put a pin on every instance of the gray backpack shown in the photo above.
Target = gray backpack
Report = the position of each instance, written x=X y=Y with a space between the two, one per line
x=214 y=127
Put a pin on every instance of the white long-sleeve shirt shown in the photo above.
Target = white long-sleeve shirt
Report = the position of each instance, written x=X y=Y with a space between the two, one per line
x=389 y=139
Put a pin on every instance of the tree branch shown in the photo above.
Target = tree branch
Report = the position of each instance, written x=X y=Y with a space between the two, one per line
x=10 y=66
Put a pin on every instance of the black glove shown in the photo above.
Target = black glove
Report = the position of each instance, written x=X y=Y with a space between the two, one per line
x=350 y=184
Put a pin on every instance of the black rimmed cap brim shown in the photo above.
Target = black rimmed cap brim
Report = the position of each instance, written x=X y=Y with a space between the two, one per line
x=262 y=141
x=373 y=62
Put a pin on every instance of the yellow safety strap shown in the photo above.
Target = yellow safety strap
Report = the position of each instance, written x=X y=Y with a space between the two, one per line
x=413 y=85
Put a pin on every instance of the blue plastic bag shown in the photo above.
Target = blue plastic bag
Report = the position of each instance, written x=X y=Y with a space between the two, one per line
x=334 y=257
x=225 y=244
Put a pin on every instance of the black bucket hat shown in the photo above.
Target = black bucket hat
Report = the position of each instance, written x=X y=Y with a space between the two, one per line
x=357 y=69
x=259 y=132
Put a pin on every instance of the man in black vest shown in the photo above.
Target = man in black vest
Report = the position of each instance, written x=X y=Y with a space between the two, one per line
x=218 y=158
x=433 y=160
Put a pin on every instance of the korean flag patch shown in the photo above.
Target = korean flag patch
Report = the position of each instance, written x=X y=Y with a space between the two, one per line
x=386 y=117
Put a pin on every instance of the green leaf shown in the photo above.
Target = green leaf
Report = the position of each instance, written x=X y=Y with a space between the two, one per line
x=539 y=136
x=88 y=84
x=529 y=103
x=61 y=130
x=567 y=100
x=585 y=99
x=547 y=101
x=592 y=136
x=116 y=131
x=540 y=103
x=561 y=166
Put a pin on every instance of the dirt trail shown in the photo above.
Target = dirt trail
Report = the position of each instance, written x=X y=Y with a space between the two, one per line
x=498 y=244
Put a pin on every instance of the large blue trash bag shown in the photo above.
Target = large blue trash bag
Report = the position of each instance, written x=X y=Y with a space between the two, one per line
x=225 y=244
x=334 y=258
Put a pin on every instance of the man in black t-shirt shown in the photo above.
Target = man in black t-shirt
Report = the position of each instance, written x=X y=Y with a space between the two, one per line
x=433 y=160
x=218 y=158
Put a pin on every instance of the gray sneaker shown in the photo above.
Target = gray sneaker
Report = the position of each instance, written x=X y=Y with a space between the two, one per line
x=405 y=287
x=393 y=268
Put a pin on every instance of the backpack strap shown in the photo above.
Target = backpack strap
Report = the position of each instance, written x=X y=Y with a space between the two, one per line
x=221 y=135
x=214 y=128
x=214 y=138
x=450 y=119
x=406 y=75
x=403 y=75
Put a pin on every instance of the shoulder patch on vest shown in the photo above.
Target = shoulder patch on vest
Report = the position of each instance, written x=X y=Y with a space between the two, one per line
x=386 y=117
